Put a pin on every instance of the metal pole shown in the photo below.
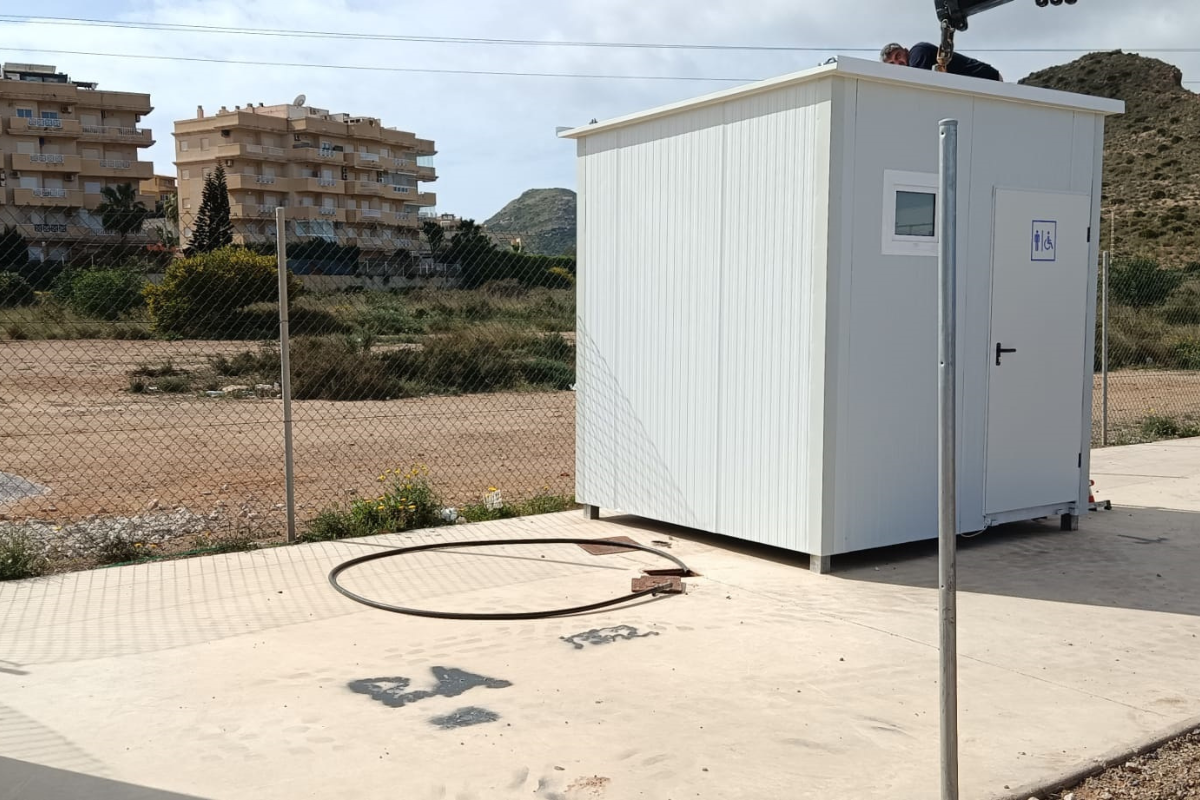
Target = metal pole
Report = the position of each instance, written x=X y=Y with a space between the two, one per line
x=947 y=440
x=1104 y=262
x=285 y=370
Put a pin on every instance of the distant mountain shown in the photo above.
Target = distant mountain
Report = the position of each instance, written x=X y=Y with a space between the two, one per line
x=1151 y=153
x=544 y=219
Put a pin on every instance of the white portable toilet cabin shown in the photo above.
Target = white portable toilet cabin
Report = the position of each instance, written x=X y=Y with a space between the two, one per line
x=757 y=340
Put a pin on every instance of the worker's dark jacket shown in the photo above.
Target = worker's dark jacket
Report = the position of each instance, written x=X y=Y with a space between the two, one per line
x=924 y=56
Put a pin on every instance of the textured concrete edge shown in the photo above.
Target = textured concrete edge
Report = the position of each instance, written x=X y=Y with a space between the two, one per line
x=1078 y=775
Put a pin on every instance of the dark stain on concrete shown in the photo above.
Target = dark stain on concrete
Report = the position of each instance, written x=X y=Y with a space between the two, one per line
x=465 y=718
x=599 y=636
x=451 y=682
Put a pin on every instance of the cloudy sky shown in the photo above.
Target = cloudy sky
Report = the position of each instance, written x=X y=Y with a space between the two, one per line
x=495 y=134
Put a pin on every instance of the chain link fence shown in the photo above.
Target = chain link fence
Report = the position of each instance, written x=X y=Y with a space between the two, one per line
x=1147 y=352
x=142 y=387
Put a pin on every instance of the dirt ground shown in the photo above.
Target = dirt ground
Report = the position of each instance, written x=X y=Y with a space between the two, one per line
x=1134 y=395
x=68 y=422
x=1171 y=773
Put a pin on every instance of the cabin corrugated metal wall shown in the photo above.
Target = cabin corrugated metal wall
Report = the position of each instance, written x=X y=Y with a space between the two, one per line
x=702 y=316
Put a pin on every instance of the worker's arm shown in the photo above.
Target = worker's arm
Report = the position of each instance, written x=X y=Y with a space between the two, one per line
x=924 y=56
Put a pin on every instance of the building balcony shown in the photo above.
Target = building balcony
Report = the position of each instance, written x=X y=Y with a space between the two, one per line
x=118 y=168
x=317 y=155
x=405 y=192
x=365 y=188
x=257 y=152
x=404 y=166
x=251 y=211
x=141 y=137
x=239 y=181
x=365 y=160
x=45 y=162
x=38 y=126
x=426 y=199
x=329 y=213
x=56 y=198
x=318 y=185
x=426 y=174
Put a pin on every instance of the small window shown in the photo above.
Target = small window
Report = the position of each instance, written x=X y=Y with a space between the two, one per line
x=910 y=225
x=204 y=143
x=916 y=213
x=25 y=113
x=183 y=145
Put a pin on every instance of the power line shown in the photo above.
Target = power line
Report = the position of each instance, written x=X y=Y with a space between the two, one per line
x=469 y=40
x=364 y=68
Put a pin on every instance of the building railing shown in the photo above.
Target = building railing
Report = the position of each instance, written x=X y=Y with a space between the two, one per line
x=264 y=178
x=328 y=211
x=46 y=123
x=402 y=189
x=115 y=163
x=114 y=130
x=49 y=192
x=370 y=213
x=47 y=158
x=326 y=182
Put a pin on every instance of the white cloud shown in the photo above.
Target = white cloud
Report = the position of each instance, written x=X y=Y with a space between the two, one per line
x=496 y=135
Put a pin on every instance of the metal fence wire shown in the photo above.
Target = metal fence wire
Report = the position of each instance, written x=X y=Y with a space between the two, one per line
x=1147 y=352
x=432 y=368
x=141 y=375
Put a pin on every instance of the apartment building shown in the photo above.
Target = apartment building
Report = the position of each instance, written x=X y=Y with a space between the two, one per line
x=342 y=178
x=61 y=142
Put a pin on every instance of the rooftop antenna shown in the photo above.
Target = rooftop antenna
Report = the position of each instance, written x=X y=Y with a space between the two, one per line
x=299 y=101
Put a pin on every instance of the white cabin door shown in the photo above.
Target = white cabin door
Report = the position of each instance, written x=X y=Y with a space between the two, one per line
x=1036 y=361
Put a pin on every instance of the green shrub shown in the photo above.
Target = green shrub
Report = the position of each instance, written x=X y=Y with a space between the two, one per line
x=161 y=370
x=15 y=291
x=1141 y=282
x=1186 y=354
x=264 y=363
x=1183 y=307
x=335 y=368
x=175 y=384
x=542 y=503
x=474 y=359
x=204 y=296
x=548 y=372
x=1159 y=427
x=386 y=316
x=406 y=501
x=560 y=278
x=21 y=555
x=106 y=293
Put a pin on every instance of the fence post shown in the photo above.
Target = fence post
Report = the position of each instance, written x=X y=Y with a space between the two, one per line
x=1104 y=262
x=285 y=370
x=947 y=453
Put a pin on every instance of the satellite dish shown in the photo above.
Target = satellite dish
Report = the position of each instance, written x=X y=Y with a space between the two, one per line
x=299 y=101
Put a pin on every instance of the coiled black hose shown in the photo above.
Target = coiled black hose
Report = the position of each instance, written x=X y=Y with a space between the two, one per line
x=559 y=612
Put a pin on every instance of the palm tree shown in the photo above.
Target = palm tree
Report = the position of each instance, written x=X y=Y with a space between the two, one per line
x=120 y=210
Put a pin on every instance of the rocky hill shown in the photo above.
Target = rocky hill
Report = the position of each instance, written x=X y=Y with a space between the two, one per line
x=1152 y=153
x=543 y=218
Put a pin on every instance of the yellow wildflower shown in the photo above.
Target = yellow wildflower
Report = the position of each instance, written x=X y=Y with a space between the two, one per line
x=412 y=508
x=492 y=489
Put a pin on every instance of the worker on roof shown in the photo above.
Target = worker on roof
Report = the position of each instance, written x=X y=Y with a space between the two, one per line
x=923 y=55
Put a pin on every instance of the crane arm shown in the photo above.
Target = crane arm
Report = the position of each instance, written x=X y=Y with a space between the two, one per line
x=953 y=16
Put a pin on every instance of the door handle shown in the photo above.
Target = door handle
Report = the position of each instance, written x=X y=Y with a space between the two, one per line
x=1001 y=350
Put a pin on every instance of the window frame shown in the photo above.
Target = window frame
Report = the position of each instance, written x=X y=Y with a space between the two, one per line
x=894 y=182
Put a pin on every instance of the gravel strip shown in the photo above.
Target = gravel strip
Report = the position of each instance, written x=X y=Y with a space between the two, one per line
x=1169 y=773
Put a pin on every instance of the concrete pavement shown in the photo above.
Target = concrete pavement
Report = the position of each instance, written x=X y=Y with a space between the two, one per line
x=247 y=676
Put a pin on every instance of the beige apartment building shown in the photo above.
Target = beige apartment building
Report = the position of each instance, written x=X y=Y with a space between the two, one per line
x=61 y=142
x=341 y=177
